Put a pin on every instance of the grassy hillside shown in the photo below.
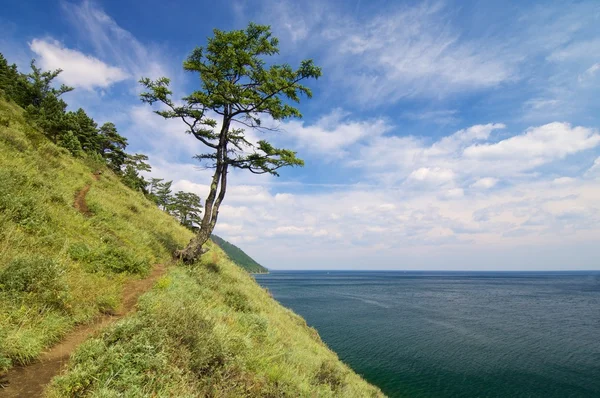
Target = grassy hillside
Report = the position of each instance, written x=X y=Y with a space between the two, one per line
x=238 y=256
x=206 y=330
x=59 y=268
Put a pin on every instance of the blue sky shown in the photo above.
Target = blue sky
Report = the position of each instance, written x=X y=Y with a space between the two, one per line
x=442 y=135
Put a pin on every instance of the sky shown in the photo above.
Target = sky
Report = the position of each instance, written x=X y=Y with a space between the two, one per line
x=442 y=135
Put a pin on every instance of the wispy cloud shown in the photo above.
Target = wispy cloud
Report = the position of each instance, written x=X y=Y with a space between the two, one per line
x=417 y=52
x=334 y=133
x=113 y=43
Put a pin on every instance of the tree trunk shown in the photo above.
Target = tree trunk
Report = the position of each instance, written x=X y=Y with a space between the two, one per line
x=194 y=249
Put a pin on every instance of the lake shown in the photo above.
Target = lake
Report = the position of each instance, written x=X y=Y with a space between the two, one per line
x=456 y=334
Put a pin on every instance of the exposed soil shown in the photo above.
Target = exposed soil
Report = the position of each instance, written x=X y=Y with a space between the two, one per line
x=80 y=203
x=31 y=380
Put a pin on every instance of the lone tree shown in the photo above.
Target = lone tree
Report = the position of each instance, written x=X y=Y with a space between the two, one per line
x=238 y=88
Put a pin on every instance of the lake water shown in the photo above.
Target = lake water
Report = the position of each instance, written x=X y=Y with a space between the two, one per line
x=456 y=334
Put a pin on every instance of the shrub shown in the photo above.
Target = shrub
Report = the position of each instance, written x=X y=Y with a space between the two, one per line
x=213 y=267
x=164 y=283
x=41 y=279
x=109 y=258
x=256 y=324
x=119 y=260
x=190 y=329
x=80 y=252
x=5 y=363
x=237 y=300
x=330 y=373
x=17 y=142
x=125 y=358
x=50 y=151
x=18 y=201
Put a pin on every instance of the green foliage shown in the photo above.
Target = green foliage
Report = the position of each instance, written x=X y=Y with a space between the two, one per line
x=75 y=131
x=163 y=194
x=69 y=141
x=332 y=374
x=19 y=199
x=237 y=85
x=9 y=79
x=186 y=207
x=237 y=300
x=238 y=256
x=5 y=364
x=85 y=129
x=112 y=146
x=134 y=164
x=40 y=279
x=109 y=258
x=125 y=358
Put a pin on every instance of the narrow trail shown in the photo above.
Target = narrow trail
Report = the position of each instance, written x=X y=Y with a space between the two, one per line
x=31 y=380
x=80 y=203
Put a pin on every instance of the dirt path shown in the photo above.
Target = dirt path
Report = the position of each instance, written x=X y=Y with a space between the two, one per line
x=31 y=380
x=80 y=203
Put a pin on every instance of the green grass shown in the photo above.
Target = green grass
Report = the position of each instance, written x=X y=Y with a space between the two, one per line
x=205 y=330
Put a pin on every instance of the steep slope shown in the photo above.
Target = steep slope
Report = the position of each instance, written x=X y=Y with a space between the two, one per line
x=238 y=256
x=60 y=267
x=206 y=330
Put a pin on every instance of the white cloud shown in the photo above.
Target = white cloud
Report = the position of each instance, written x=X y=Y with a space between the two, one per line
x=596 y=166
x=469 y=153
x=564 y=180
x=79 y=70
x=434 y=175
x=577 y=50
x=454 y=193
x=589 y=73
x=485 y=183
x=347 y=226
x=537 y=145
x=333 y=133
x=450 y=207
x=458 y=140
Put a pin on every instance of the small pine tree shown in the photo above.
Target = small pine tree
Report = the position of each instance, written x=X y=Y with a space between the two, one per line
x=186 y=207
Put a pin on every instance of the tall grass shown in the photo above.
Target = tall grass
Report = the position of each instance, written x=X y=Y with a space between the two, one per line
x=209 y=331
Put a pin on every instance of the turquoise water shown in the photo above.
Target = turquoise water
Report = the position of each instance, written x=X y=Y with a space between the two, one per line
x=420 y=334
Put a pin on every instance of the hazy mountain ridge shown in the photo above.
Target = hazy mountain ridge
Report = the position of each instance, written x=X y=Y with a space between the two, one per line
x=238 y=256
